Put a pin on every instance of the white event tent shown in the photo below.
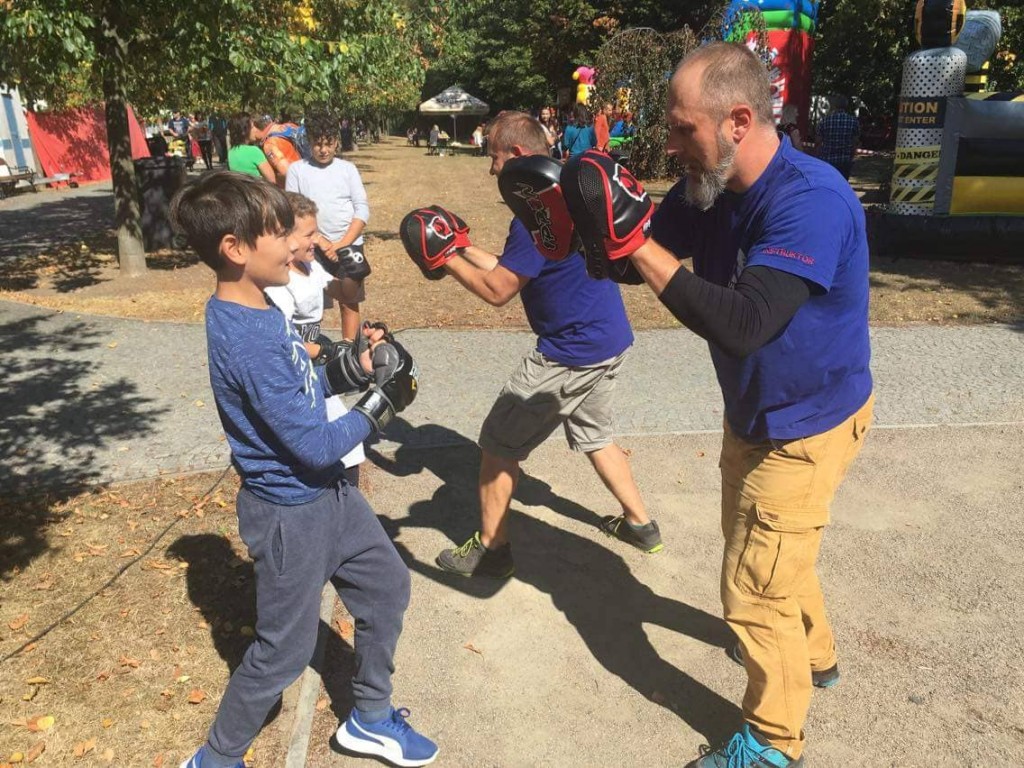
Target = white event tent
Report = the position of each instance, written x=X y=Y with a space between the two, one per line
x=454 y=102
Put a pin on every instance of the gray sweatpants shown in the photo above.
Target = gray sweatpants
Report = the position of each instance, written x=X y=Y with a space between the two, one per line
x=295 y=551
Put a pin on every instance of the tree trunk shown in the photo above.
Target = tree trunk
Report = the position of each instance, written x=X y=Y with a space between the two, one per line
x=127 y=215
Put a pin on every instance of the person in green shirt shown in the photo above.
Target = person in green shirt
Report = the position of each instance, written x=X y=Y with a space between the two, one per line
x=245 y=156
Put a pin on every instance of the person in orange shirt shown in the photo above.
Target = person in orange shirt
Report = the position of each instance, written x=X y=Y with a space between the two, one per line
x=601 y=130
x=280 y=152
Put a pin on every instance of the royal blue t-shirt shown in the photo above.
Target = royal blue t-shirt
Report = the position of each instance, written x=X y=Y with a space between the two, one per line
x=800 y=217
x=578 y=320
x=271 y=404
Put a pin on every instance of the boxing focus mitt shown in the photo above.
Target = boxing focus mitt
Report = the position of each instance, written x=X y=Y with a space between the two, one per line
x=612 y=213
x=432 y=237
x=529 y=185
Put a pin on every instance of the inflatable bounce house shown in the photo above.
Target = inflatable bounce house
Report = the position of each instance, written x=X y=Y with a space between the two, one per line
x=789 y=27
x=958 y=178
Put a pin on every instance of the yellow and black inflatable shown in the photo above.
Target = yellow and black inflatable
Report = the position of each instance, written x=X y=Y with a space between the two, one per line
x=958 y=178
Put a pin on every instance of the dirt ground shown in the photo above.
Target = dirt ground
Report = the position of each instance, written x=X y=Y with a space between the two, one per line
x=82 y=276
x=135 y=676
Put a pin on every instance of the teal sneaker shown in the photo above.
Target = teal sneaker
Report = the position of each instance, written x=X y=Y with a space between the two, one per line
x=825 y=678
x=746 y=749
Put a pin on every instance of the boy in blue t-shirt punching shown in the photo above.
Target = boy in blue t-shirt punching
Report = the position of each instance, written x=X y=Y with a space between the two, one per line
x=568 y=381
x=303 y=524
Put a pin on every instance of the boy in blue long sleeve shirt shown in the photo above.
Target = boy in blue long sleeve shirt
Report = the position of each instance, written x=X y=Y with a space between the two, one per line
x=302 y=522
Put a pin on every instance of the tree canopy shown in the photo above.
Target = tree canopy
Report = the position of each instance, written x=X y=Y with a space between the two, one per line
x=162 y=54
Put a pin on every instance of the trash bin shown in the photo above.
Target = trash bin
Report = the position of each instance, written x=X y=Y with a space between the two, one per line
x=158 y=178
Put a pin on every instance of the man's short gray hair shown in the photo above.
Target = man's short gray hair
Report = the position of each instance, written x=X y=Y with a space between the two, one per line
x=733 y=74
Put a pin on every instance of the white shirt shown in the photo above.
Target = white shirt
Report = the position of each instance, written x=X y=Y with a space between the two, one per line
x=302 y=301
x=337 y=190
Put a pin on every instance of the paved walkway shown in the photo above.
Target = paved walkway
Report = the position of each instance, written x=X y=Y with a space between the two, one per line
x=92 y=399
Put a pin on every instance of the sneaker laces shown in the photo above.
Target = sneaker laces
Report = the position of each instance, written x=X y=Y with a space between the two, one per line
x=737 y=753
x=468 y=547
x=397 y=721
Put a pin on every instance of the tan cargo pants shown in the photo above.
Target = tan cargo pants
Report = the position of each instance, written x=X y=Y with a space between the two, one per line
x=775 y=505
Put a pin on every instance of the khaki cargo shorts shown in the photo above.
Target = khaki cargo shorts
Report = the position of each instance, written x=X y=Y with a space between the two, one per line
x=542 y=394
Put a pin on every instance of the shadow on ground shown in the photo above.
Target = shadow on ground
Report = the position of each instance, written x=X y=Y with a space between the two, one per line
x=591 y=585
x=56 y=416
x=57 y=220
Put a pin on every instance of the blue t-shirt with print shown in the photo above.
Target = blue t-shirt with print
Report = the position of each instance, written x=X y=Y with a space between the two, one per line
x=271 y=404
x=578 y=320
x=800 y=217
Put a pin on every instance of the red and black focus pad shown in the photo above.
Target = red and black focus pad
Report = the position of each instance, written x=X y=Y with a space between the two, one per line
x=612 y=212
x=432 y=237
x=530 y=186
x=458 y=226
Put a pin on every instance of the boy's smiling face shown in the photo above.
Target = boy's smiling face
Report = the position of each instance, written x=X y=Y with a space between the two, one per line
x=266 y=263
x=302 y=236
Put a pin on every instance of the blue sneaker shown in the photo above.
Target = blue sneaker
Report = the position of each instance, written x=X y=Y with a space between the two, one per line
x=392 y=739
x=746 y=750
x=196 y=761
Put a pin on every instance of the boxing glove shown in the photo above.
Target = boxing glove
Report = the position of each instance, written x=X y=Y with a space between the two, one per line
x=344 y=371
x=432 y=237
x=352 y=262
x=395 y=385
x=612 y=213
x=328 y=349
x=344 y=365
x=530 y=187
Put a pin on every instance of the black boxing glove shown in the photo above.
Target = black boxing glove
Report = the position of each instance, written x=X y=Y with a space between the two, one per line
x=328 y=349
x=344 y=369
x=432 y=237
x=530 y=186
x=352 y=262
x=330 y=263
x=612 y=212
x=395 y=385
x=345 y=372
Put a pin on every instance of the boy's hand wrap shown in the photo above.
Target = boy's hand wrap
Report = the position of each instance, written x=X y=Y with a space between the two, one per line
x=345 y=370
x=328 y=349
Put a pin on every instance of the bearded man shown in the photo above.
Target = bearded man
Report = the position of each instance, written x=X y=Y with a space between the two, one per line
x=780 y=291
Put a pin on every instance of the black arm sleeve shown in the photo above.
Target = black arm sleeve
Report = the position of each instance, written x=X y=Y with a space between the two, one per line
x=739 y=320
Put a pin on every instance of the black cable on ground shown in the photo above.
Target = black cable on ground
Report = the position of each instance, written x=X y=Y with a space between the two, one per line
x=60 y=620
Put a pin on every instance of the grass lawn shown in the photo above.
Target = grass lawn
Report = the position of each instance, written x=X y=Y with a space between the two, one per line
x=81 y=275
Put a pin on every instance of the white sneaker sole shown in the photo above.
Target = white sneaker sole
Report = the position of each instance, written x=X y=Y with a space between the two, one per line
x=389 y=750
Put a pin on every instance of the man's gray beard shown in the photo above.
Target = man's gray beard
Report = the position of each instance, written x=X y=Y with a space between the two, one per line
x=703 y=187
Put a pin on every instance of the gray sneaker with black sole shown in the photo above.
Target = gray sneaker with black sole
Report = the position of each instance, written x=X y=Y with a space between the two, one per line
x=474 y=559
x=646 y=538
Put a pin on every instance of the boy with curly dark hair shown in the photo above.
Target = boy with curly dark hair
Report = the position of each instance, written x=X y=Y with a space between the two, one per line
x=337 y=189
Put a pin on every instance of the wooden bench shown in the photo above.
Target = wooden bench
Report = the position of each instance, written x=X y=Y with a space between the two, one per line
x=10 y=176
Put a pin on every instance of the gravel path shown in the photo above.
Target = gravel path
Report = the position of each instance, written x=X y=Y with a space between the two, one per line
x=93 y=399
